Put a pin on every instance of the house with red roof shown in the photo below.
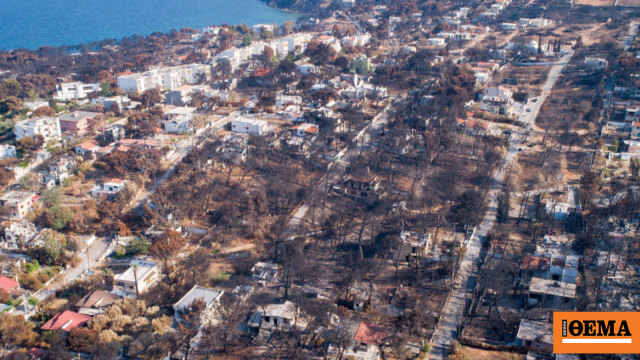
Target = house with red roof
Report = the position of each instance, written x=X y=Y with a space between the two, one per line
x=305 y=129
x=8 y=284
x=67 y=321
x=366 y=340
x=87 y=147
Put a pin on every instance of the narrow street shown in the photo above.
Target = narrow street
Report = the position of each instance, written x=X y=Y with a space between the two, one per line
x=335 y=172
x=447 y=329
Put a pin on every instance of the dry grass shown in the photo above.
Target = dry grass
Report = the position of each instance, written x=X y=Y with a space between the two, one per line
x=479 y=354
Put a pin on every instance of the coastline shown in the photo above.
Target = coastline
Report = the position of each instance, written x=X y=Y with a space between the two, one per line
x=116 y=26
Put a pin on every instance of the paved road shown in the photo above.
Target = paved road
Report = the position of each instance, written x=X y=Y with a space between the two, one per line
x=98 y=250
x=182 y=150
x=447 y=329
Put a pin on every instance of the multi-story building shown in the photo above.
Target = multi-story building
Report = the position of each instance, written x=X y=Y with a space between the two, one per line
x=74 y=90
x=17 y=204
x=46 y=126
x=295 y=43
x=168 y=78
x=76 y=122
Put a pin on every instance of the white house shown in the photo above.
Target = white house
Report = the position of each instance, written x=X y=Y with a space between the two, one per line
x=74 y=90
x=123 y=102
x=508 y=26
x=305 y=129
x=497 y=100
x=348 y=3
x=278 y=316
x=178 y=125
x=7 y=151
x=48 y=127
x=138 y=278
x=210 y=297
x=307 y=68
x=356 y=40
x=285 y=100
x=35 y=104
x=249 y=126
x=109 y=188
x=439 y=42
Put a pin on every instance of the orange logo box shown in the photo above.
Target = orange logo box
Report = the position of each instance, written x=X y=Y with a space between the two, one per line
x=596 y=332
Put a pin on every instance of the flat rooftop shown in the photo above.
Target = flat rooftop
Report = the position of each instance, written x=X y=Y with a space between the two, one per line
x=552 y=287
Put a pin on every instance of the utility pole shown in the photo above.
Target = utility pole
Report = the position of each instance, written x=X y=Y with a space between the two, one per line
x=88 y=259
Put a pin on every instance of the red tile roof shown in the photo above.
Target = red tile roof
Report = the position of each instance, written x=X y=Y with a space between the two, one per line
x=636 y=124
x=7 y=284
x=370 y=334
x=66 y=321
x=88 y=145
x=312 y=130
x=261 y=72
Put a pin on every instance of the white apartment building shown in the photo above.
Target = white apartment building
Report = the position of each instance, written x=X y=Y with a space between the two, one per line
x=168 y=78
x=293 y=43
x=48 y=127
x=74 y=90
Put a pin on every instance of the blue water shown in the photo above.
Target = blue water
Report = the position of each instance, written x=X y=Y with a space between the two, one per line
x=34 y=23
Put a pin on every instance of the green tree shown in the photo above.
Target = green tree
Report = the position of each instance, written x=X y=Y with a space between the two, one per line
x=51 y=197
x=247 y=39
x=53 y=244
x=12 y=87
x=138 y=246
x=60 y=217
x=105 y=89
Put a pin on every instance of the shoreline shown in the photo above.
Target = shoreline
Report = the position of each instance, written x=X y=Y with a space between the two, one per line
x=70 y=44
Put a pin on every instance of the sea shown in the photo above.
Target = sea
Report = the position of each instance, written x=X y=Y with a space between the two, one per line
x=31 y=24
